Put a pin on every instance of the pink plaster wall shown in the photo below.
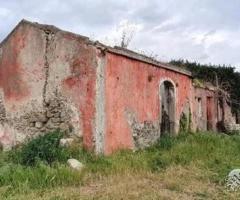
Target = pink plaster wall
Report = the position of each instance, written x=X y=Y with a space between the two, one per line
x=130 y=88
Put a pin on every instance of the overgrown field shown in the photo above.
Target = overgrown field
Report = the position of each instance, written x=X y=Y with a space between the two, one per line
x=190 y=166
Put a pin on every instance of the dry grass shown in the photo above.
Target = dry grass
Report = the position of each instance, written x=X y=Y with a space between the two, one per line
x=174 y=183
x=187 y=167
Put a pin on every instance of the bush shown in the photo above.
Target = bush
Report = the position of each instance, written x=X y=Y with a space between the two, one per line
x=44 y=148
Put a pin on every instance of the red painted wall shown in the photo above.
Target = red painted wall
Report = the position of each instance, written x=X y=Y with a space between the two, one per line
x=128 y=87
x=10 y=66
x=81 y=87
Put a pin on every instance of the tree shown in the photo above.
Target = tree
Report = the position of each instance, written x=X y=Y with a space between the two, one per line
x=127 y=31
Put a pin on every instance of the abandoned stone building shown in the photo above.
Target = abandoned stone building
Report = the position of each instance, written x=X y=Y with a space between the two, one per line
x=111 y=97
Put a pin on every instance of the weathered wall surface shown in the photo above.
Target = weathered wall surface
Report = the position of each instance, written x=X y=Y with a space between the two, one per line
x=21 y=76
x=47 y=81
x=229 y=120
x=52 y=79
x=133 y=104
x=213 y=113
x=72 y=75
x=204 y=112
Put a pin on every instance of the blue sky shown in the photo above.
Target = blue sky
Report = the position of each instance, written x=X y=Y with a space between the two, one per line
x=206 y=31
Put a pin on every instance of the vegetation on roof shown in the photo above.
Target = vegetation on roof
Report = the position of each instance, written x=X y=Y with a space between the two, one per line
x=198 y=82
x=226 y=75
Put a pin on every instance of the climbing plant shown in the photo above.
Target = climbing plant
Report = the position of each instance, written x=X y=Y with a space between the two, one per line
x=190 y=121
x=183 y=123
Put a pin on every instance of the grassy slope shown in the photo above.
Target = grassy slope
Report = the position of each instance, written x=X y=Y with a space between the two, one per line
x=191 y=166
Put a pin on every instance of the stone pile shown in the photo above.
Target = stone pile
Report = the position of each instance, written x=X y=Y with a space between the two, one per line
x=54 y=117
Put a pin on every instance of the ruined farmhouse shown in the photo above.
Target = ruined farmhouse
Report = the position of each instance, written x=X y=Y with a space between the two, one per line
x=112 y=98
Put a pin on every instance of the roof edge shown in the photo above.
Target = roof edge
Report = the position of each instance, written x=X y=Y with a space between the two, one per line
x=14 y=29
x=137 y=56
x=44 y=27
x=115 y=50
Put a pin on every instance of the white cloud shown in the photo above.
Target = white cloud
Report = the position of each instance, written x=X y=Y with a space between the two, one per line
x=168 y=24
x=204 y=31
x=113 y=36
x=4 y=12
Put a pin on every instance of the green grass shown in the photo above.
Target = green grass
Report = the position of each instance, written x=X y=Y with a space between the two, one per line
x=214 y=155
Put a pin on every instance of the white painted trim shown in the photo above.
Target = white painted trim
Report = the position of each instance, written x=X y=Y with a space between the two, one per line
x=100 y=106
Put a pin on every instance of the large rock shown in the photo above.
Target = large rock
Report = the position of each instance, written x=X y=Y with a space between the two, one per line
x=233 y=180
x=66 y=142
x=75 y=164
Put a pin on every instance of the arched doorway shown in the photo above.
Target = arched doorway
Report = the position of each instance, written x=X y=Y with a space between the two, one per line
x=167 y=111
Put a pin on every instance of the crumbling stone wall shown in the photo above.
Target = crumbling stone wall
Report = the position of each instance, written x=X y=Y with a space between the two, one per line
x=2 y=109
x=55 y=115
x=228 y=121
x=47 y=82
x=199 y=99
x=144 y=134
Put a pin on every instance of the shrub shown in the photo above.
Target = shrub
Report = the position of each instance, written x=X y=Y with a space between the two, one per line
x=158 y=162
x=183 y=123
x=44 y=148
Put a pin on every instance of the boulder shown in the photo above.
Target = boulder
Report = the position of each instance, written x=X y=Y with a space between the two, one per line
x=66 y=142
x=75 y=164
x=233 y=180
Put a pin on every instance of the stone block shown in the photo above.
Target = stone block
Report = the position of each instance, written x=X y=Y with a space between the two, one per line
x=66 y=142
x=75 y=164
x=64 y=127
x=42 y=118
x=49 y=114
x=38 y=124
x=56 y=115
x=55 y=120
x=50 y=125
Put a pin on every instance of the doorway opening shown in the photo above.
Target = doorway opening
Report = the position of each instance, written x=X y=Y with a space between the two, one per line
x=167 y=115
x=220 y=115
x=209 y=113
